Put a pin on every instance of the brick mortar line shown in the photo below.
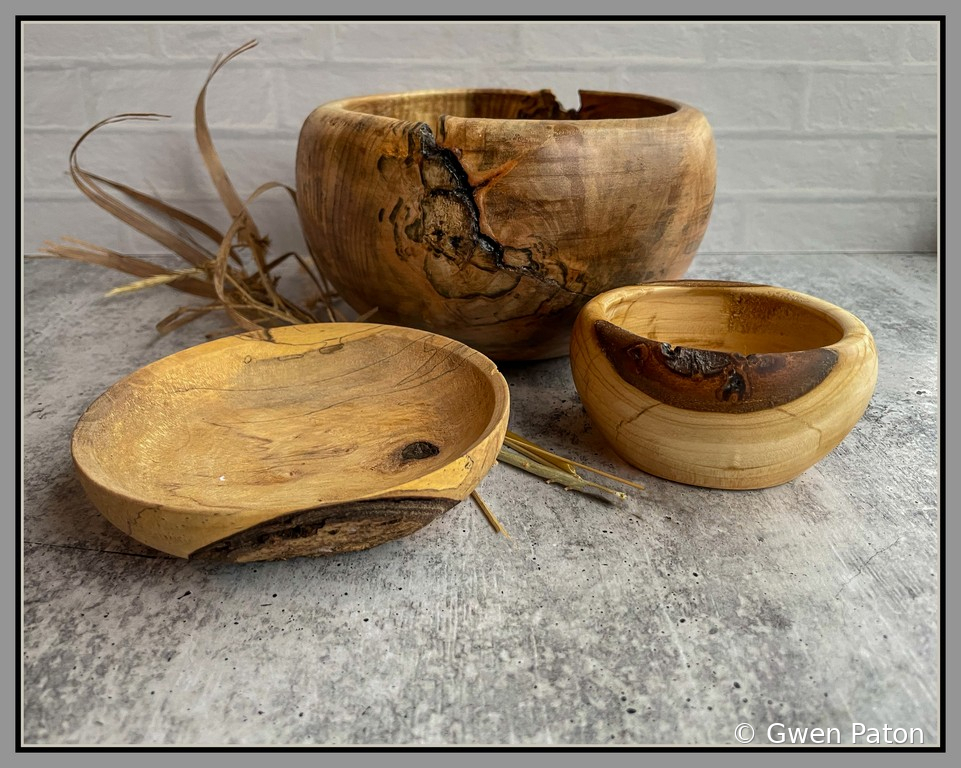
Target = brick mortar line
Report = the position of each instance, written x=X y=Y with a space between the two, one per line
x=169 y=130
x=813 y=195
x=292 y=63
x=801 y=117
x=814 y=134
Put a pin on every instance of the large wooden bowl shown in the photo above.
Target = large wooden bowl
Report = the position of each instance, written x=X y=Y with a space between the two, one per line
x=724 y=385
x=493 y=216
x=304 y=440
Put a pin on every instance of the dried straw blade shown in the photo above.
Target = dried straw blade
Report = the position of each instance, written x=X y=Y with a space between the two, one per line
x=554 y=475
x=78 y=250
x=150 y=282
x=88 y=184
x=523 y=445
x=176 y=215
x=491 y=518
x=279 y=308
x=243 y=227
x=218 y=174
x=183 y=315
x=251 y=299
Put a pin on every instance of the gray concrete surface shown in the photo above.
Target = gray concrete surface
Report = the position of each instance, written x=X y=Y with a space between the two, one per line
x=667 y=619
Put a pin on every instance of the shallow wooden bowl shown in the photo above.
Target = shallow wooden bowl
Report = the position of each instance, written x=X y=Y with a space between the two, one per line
x=303 y=440
x=723 y=385
x=493 y=216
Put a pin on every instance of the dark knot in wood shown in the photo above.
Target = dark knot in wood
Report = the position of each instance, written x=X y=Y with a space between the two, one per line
x=419 y=450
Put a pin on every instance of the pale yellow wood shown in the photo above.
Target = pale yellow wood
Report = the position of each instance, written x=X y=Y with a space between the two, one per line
x=493 y=216
x=714 y=448
x=375 y=428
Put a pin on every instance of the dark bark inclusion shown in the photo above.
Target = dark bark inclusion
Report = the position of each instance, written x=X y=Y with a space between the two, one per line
x=329 y=530
x=708 y=380
x=462 y=262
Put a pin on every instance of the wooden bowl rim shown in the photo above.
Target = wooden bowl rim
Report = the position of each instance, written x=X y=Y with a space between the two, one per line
x=853 y=330
x=681 y=111
x=474 y=358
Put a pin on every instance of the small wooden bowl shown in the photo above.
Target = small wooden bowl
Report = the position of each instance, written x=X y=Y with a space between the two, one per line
x=723 y=385
x=492 y=216
x=302 y=440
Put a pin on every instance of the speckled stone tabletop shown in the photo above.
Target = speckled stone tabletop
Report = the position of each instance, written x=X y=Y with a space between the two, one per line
x=666 y=619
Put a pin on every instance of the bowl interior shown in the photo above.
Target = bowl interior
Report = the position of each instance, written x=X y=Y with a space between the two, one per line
x=429 y=106
x=315 y=415
x=727 y=319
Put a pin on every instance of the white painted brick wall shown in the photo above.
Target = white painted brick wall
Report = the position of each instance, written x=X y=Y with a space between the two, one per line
x=826 y=133
x=809 y=42
x=478 y=44
x=733 y=98
x=593 y=42
x=863 y=102
x=752 y=164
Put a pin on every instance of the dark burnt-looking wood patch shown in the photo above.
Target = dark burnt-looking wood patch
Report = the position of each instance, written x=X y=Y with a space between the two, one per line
x=707 y=380
x=441 y=226
x=327 y=530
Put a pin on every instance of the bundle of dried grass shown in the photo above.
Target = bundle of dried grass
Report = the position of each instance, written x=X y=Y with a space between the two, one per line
x=234 y=272
x=231 y=269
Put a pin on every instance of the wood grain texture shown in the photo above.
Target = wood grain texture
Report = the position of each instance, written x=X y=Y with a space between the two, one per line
x=723 y=385
x=494 y=216
x=311 y=439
